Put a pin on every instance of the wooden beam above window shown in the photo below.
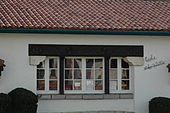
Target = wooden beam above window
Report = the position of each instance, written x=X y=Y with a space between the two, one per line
x=86 y=50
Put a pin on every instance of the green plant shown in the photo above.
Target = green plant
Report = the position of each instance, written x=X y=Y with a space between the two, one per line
x=23 y=101
x=159 y=105
x=5 y=101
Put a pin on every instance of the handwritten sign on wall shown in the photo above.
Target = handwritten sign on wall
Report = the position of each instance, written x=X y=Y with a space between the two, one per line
x=152 y=62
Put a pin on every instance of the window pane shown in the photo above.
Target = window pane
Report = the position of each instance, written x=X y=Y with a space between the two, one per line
x=53 y=63
x=41 y=65
x=68 y=63
x=77 y=63
x=40 y=73
x=113 y=63
x=68 y=85
x=90 y=85
x=113 y=85
x=125 y=84
x=89 y=74
x=89 y=63
x=53 y=74
x=113 y=74
x=98 y=85
x=124 y=64
x=53 y=85
x=77 y=85
x=98 y=73
x=125 y=74
x=98 y=63
x=40 y=85
x=77 y=74
x=68 y=74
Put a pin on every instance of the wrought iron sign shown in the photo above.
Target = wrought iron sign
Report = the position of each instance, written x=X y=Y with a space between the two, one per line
x=168 y=66
x=2 y=65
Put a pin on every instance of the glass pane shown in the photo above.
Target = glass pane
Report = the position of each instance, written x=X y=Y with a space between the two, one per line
x=68 y=85
x=124 y=64
x=90 y=85
x=68 y=63
x=113 y=74
x=89 y=74
x=41 y=65
x=77 y=63
x=68 y=74
x=113 y=85
x=113 y=63
x=77 y=85
x=89 y=63
x=53 y=63
x=98 y=85
x=125 y=84
x=40 y=73
x=125 y=74
x=53 y=74
x=53 y=85
x=77 y=74
x=98 y=63
x=40 y=85
x=98 y=73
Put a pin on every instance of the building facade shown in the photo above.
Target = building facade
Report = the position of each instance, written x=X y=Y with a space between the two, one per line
x=89 y=56
x=145 y=81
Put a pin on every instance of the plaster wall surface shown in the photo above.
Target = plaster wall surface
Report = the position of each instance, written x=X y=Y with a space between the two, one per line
x=150 y=80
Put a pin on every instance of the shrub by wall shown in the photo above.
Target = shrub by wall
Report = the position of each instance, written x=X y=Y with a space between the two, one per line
x=5 y=101
x=159 y=105
x=23 y=101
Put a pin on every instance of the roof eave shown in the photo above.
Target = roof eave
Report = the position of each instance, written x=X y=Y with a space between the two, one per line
x=90 y=32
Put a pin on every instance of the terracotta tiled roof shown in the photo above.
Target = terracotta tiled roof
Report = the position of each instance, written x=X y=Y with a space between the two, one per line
x=86 y=14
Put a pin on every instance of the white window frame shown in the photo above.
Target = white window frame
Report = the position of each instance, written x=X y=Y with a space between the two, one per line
x=47 y=79
x=119 y=71
x=83 y=91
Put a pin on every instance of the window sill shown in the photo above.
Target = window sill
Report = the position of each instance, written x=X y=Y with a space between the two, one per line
x=85 y=96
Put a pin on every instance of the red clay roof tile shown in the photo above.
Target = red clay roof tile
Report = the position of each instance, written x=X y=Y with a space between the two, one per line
x=86 y=14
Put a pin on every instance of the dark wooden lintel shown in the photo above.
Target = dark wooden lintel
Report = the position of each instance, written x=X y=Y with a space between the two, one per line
x=85 y=50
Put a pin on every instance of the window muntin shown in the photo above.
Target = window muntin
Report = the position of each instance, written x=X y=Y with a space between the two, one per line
x=113 y=74
x=73 y=74
x=119 y=76
x=48 y=75
x=84 y=75
x=125 y=78
x=41 y=76
x=94 y=74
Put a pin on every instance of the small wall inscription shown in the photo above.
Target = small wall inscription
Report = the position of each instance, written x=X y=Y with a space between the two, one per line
x=152 y=62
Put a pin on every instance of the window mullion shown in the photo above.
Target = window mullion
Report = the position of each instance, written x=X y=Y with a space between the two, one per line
x=119 y=73
x=106 y=73
x=61 y=78
x=73 y=76
x=94 y=74
x=58 y=73
x=83 y=74
x=47 y=75
x=130 y=79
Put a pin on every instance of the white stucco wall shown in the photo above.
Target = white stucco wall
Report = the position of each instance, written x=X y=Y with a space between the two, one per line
x=148 y=83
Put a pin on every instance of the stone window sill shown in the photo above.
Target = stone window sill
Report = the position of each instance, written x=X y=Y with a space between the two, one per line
x=85 y=96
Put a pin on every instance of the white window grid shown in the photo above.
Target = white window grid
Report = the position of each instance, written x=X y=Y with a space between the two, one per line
x=47 y=75
x=83 y=70
x=119 y=77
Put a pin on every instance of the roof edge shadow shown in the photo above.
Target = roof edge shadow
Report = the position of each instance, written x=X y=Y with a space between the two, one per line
x=83 y=32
